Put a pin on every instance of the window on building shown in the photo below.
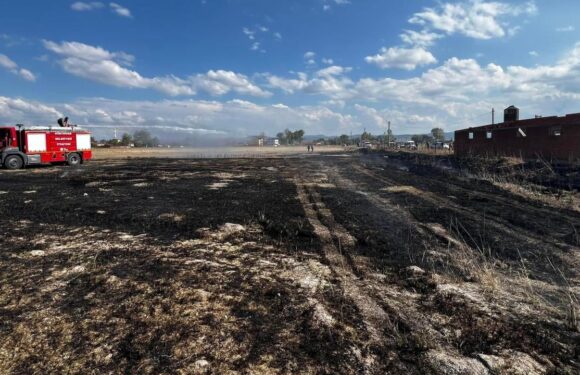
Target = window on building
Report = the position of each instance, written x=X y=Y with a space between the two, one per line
x=556 y=131
x=470 y=135
x=521 y=133
x=488 y=134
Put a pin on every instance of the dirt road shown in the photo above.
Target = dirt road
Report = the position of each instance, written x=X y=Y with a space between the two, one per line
x=307 y=263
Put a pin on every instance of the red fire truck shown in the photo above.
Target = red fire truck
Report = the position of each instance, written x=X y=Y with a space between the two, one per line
x=20 y=146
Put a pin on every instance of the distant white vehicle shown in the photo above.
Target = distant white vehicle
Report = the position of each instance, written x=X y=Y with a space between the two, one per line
x=441 y=145
x=276 y=142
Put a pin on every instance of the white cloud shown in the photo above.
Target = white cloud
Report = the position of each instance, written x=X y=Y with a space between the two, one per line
x=452 y=92
x=259 y=34
x=7 y=63
x=327 y=61
x=420 y=39
x=327 y=4
x=249 y=33
x=220 y=82
x=27 y=75
x=120 y=10
x=310 y=58
x=21 y=111
x=456 y=94
x=12 y=67
x=87 y=52
x=81 y=6
x=13 y=40
x=401 y=58
x=87 y=6
x=534 y=53
x=181 y=117
x=330 y=81
x=334 y=70
x=377 y=117
x=455 y=80
x=458 y=87
x=565 y=29
x=475 y=18
x=402 y=122
x=309 y=55
x=99 y=65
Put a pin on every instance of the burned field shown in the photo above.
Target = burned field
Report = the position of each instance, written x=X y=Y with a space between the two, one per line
x=307 y=264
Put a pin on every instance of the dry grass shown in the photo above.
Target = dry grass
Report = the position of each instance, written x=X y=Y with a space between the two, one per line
x=211 y=153
x=307 y=264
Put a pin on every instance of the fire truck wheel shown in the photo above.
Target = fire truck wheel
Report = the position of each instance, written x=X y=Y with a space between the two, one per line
x=73 y=159
x=13 y=162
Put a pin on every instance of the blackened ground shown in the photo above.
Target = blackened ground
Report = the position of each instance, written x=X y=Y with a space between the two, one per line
x=338 y=263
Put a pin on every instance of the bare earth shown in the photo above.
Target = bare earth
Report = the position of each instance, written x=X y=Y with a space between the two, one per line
x=278 y=261
x=210 y=152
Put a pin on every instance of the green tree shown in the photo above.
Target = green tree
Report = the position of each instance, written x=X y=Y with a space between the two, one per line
x=438 y=134
x=298 y=136
x=289 y=137
x=367 y=136
x=142 y=138
x=281 y=138
x=422 y=139
x=344 y=139
x=126 y=139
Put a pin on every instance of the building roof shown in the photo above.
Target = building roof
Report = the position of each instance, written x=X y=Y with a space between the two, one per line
x=573 y=118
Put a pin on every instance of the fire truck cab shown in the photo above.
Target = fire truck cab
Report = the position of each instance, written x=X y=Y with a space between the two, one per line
x=20 y=146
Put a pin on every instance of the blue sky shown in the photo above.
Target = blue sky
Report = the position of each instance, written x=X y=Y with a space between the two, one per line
x=239 y=67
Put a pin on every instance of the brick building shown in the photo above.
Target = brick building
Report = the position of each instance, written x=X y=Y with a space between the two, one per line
x=553 y=138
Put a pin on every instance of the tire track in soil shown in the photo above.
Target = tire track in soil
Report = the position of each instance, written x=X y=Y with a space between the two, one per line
x=398 y=215
x=330 y=233
x=417 y=324
x=412 y=317
x=455 y=187
x=402 y=323
x=498 y=223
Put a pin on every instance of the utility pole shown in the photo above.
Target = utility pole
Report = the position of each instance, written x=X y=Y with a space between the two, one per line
x=388 y=134
x=116 y=133
x=493 y=116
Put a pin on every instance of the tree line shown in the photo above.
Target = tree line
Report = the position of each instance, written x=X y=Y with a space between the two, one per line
x=143 y=138
x=288 y=137
x=140 y=138
x=437 y=135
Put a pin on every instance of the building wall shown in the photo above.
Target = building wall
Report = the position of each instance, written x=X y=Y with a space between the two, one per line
x=541 y=139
